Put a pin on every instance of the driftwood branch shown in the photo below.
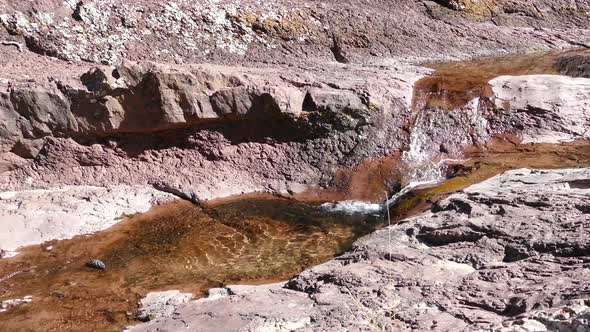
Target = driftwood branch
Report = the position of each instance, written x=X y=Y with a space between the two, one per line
x=12 y=43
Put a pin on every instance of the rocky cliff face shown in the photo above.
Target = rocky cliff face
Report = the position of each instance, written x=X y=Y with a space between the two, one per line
x=284 y=31
x=229 y=130
x=277 y=130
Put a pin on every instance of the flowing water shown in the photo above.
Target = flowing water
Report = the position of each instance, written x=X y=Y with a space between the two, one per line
x=256 y=239
x=176 y=246
x=450 y=109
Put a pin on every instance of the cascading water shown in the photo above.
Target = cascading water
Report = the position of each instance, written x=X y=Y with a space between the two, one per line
x=438 y=134
x=420 y=160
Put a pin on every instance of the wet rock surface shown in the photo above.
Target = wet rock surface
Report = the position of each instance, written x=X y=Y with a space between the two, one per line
x=575 y=65
x=509 y=254
x=35 y=216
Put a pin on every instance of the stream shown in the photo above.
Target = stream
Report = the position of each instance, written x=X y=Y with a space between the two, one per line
x=255 y=240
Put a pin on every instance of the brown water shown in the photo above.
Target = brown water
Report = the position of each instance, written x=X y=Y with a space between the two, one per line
x=176 y=246
x=483 y=163
x=454 y=84
x=366 y=182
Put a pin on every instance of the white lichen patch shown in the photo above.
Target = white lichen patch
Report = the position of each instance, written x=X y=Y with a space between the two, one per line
x=106 y=31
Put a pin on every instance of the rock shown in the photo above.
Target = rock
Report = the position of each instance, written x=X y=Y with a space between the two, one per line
x=574 y=65
x=191 y=32
x=47 y=111
x=246 y=310
x=158 y=305
x=478 y=7
x=10 y=161
x=226 y=129
x=455 y=278
x=545 y=108
x=571 y=316
x=332 y=100
x=35 y=216
x=153 y=98
x=216 y=293
x=8 y=304
x=28 y=148
x=234 y=101
x=338 y=50
x=77 y=15
x=96 y=80
x=246 y=97
x=454 y=4
x=97 y=264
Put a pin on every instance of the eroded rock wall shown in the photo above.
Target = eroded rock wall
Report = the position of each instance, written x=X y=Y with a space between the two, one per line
x=204 y=131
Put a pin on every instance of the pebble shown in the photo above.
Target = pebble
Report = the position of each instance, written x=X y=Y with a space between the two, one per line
x=97 y=264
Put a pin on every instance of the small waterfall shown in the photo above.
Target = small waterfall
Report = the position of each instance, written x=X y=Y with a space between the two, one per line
x=436 y=136
x=420 y=158
x=367 y=208
x=411 y=186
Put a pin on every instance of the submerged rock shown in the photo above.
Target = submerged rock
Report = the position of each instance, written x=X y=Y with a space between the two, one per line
x=574 y=65
x=8 y=304
x=97 y=264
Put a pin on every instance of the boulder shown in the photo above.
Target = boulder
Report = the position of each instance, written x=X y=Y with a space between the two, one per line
x=158 y=305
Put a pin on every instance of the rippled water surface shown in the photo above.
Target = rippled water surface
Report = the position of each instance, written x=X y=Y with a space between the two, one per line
x=176 y=246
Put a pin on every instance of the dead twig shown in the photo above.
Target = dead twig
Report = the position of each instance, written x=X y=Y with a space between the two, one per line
x=12 y=43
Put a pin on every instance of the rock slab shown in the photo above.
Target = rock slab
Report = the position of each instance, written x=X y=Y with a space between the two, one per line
x=35 y=216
